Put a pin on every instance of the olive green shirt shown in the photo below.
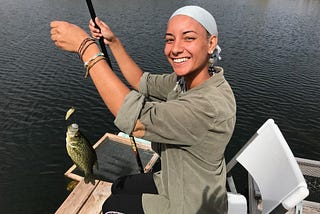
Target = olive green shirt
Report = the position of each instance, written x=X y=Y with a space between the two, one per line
x=192 y=130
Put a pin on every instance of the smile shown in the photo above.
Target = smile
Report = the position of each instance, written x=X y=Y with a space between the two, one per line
x=179 y=60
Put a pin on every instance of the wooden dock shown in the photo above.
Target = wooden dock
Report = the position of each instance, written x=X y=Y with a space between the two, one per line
x=309 y=207
x=88 y=198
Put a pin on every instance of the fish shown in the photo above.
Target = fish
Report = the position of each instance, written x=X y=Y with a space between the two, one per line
x=81 y=152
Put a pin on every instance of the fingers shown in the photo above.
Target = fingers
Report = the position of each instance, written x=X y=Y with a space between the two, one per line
x=55 y=36
x=54 y=30
x=101 y=29
x=67 y=36
x=101 y=24
x=55 y=24
x=91 y=22
x=98 y=21
x=95 y=32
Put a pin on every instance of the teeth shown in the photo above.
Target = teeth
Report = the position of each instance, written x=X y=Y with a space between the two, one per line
x=180 y=60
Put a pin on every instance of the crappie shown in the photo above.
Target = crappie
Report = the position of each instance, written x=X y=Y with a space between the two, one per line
x=81 y=152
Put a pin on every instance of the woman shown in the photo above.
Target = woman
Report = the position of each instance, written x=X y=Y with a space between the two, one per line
x=190 y=113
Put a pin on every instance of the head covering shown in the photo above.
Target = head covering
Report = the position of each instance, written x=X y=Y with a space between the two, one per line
x=200 y=15
x=207 y=21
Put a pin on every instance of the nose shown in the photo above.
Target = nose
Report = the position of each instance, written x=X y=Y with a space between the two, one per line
x=177 y=47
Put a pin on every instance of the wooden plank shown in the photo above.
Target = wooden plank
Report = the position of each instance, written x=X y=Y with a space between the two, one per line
x=126 y=141
x=309 y=167
x=95 y=201
x=151 y=163
x=77 y=198
x=309 y=207
x=86 y=198
x=69 y=173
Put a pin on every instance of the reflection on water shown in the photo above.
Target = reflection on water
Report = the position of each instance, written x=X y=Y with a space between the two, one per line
x=271 y=58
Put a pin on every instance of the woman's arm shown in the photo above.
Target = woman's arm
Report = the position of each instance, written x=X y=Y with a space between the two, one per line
x=128 y=67
x=111 y=89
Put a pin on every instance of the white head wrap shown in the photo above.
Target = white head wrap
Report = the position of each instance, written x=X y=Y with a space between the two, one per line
x=200 y=15
x=206 y=20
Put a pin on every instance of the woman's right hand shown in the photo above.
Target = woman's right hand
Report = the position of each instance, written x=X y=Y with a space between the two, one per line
x=67 y=36
x=105 y=31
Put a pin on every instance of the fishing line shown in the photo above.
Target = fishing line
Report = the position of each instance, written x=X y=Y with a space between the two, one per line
x=104 y=51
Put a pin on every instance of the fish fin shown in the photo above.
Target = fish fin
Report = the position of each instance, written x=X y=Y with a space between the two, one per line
x=96 y=165
x=89 y=178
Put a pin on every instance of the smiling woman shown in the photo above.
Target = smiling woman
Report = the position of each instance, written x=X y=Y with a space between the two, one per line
x=187 y=49
x=188 y=115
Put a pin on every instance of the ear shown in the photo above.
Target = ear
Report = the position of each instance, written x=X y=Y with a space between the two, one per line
x=213 y=41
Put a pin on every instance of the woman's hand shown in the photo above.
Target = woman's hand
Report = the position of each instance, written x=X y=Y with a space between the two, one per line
x=105 y=31
x=67 y=36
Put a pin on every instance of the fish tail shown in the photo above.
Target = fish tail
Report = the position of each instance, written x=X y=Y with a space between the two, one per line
x=89 y=178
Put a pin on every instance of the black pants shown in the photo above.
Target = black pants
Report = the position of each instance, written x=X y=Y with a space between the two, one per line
x=127 y=193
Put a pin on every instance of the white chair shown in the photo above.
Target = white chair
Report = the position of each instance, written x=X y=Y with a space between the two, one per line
x=273 y=168
x=237 y=203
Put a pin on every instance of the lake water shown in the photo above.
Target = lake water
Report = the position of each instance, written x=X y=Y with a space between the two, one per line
x=271 y=57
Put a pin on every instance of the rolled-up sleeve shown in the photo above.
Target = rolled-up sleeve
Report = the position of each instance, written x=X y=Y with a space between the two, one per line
x=185 y=120
x=151 y=89
x=157 y=87
x=164 y=121
x=129 y=111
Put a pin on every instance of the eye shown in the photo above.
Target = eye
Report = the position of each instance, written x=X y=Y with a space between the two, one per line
x=189 y=38
x=169 y=40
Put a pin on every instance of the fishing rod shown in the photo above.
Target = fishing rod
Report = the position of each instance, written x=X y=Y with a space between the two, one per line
x=101 y=42
x=136 y=153
x=104 y=51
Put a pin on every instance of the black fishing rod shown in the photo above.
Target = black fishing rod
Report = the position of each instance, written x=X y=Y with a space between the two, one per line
x=101 y=42
x=104 y=51
x=136 y=153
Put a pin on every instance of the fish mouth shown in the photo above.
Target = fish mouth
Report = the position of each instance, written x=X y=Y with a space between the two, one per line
x=72 y=129
x=71 y=133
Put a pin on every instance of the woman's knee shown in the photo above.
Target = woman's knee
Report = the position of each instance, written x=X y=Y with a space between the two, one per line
x=136 y=184
x=107 y=205
x=118 y=185
x=129 y=204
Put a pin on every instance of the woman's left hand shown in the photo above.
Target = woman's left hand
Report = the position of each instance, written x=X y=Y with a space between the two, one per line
x=67 y=36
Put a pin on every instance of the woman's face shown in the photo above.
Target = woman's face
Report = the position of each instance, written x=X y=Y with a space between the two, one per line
x=187 y=46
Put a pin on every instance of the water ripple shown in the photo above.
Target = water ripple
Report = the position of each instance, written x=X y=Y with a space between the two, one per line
x=271 y=58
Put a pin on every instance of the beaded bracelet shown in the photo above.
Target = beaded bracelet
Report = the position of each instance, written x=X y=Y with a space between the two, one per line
x=93 y=63
x=92 y=59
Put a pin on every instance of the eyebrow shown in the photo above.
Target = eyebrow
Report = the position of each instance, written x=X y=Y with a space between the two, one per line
x=184 y=33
